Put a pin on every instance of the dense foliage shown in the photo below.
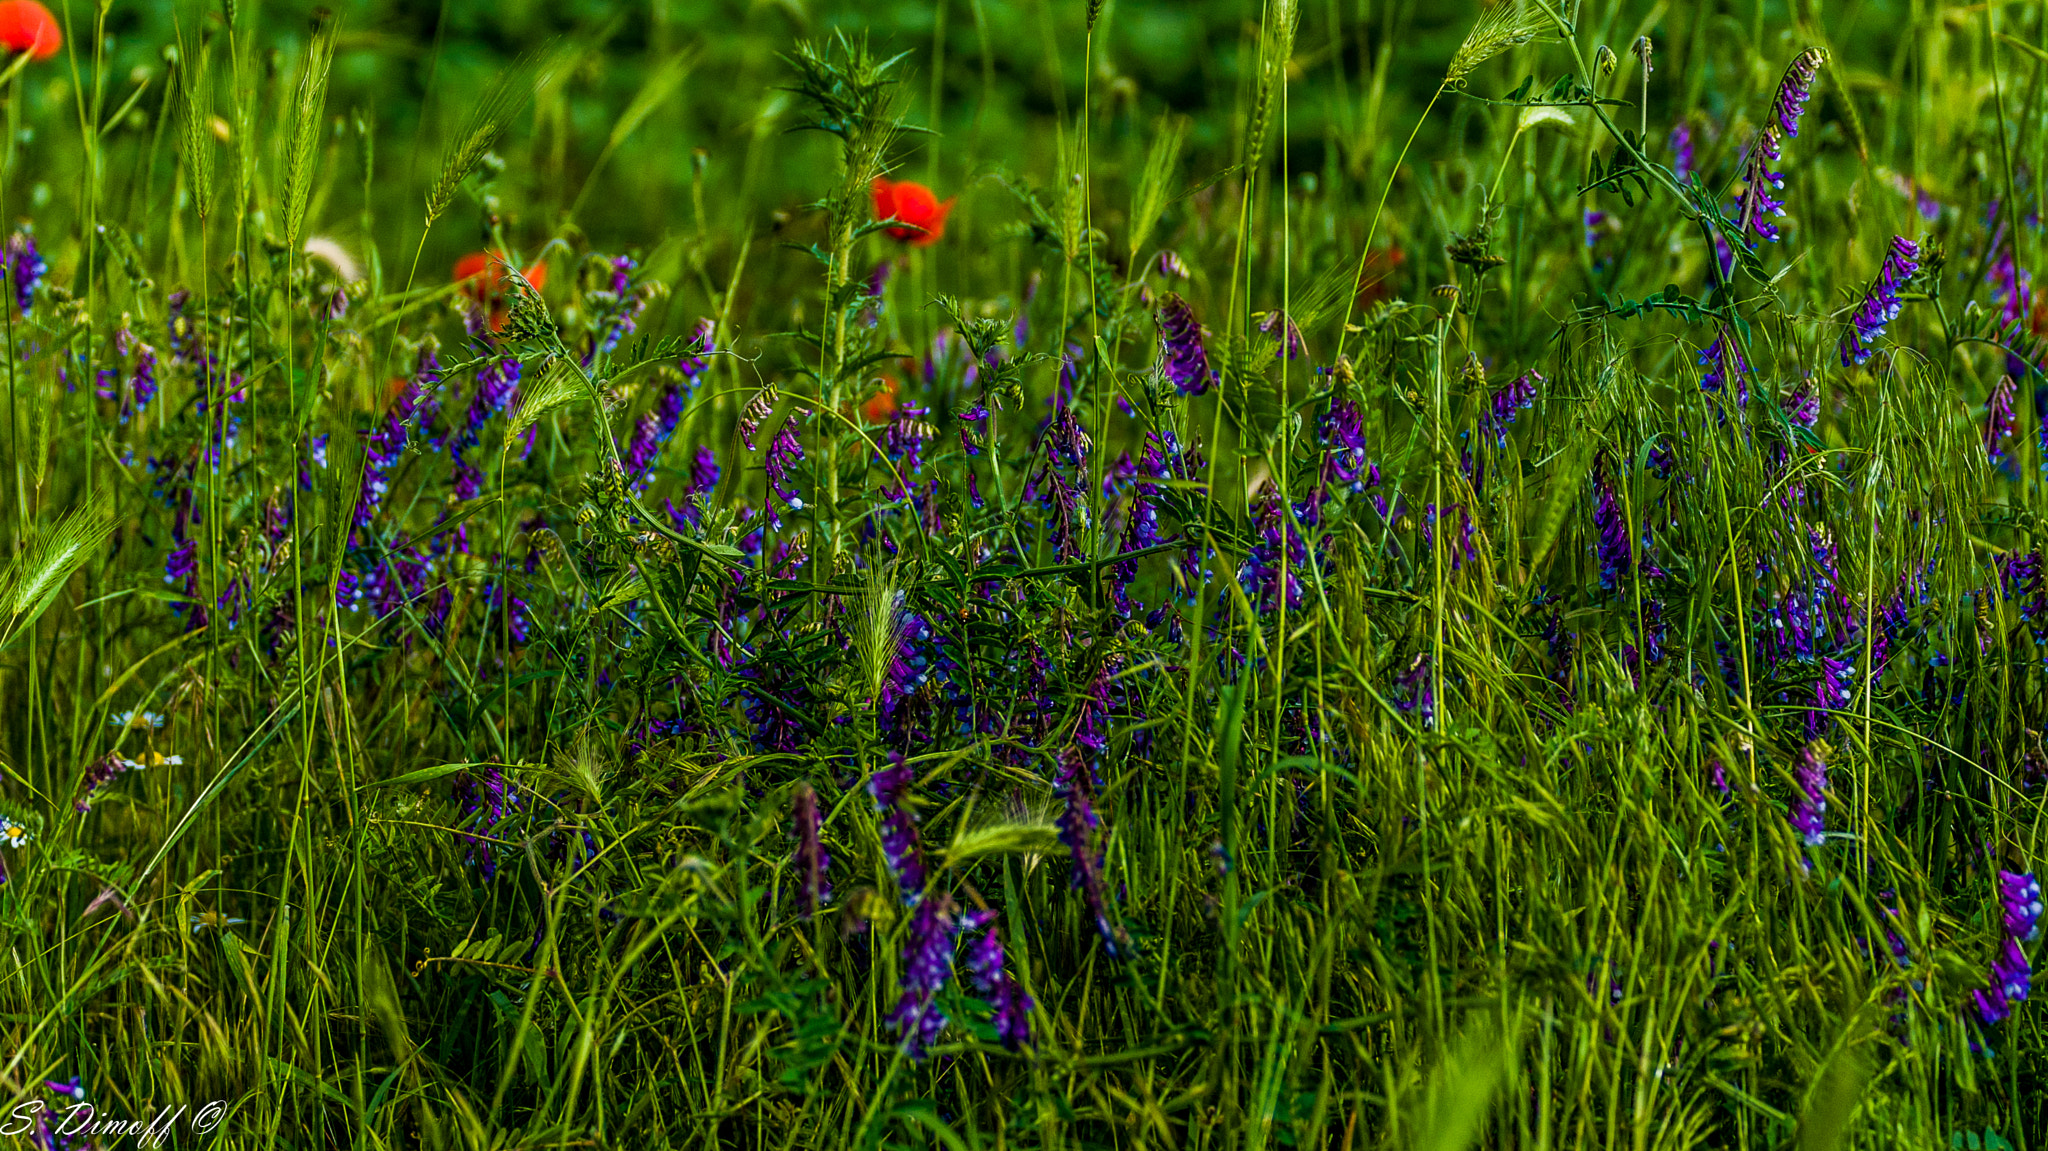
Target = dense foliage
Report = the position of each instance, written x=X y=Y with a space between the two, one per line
x=1423 y=591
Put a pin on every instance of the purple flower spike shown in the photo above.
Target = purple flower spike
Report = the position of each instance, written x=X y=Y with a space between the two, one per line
x=1757 y=207
x=1999 y=423
x=927 y=968
x=890 y=787
x=1881 y=304
x=1180 y=345
x=812 y=860
x=25 y=267
x=993 y=981
x=1075 y=787
x=2020 y=893
x=1809 y=811
x=1682 y=152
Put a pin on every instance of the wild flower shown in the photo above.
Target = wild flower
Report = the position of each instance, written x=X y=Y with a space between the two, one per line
x=1075 y=786
x=485 y=799
x=812 y=860
x=1184 y=360
x=1810 y=806
x=990 y=973
x=485 y=278
x=25 y=268
x=26 y=26
x=1999 y=424
x=1518 y=395
x=1758 y=206
x=2012 y=976
x=921 y=215
x=1723 y=359
x=2019 y=894
x=890 y=788
x=1682 y=156
x=927 y=967
x=784 y=452
x=1881 y=303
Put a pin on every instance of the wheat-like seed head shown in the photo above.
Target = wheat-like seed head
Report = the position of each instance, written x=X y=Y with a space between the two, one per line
x=196 y=81
x=307 y=108
x=1502 y=24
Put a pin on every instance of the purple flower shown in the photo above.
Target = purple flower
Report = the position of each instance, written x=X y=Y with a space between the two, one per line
x=1681 y=152
x=783 y=452
x=1416 y=690
x=1075 y=787
x=2011 y=978
x=1180 y=347
x=1999 y=422
x=993 y=982
x=1758 y=205
x=1617 y=551
x=1721 y=359
x=2020 y=895
x=486 y=799
x=25 y=267
x=812 y=860
x=1171 y=267
x=1830 y=694
x=702 y=343
x=927 y=968
x=1809 y=810
x=890 y=788
x=1802 y=406
x=1594 y=219
x=1881 y=304
x=1518 y=395
x=1281 y=326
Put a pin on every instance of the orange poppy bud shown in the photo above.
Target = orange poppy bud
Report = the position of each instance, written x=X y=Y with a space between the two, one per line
x=482 y=276
x=26 y=26
x=882 y=404
x=922 y=216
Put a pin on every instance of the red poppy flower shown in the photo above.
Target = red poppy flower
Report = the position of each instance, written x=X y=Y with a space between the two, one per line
x=880 y=406
x=923 y=216
x=482 y=276
x=26 y=26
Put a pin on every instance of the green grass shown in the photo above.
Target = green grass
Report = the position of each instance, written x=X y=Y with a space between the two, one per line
x=1447 y=774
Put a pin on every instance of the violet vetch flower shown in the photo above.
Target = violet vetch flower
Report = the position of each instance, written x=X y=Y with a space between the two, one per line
x=890 y=788
x=1802 y=406
x=1518 y=395
x=1809 y=810
x=927 y=968
x=1281 y=326
x=1617 y=551
x=993 y=981
x=2011 y=978
x=2019 y=893
x=1881 y=304
x=1171 y=267
x=1830 y=694
x=1075 y=787
x=1681 y=152
x=25 y=268
x=1180 y=346
x=1999 y=422
x=1758 y=205
x=486 y=799
x=1416 y=690
x=812 y=860
x=783 y=452
x=1723 y=359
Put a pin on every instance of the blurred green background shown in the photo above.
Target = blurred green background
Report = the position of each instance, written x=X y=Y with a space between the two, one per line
x=713 y=164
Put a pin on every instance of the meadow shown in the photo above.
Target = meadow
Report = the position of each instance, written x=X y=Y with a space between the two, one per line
x=1023 y=574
